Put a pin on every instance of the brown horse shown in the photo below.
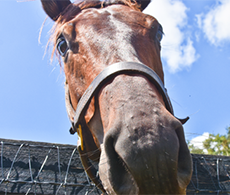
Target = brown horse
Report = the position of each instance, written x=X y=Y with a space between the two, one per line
x=124 y=118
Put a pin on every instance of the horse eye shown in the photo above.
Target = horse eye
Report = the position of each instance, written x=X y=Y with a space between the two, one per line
x=159 y=35
x=62 y=46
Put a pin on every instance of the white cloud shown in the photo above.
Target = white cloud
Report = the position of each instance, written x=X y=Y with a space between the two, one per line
x=198 y=141
x=216 y=23
x=177 y=45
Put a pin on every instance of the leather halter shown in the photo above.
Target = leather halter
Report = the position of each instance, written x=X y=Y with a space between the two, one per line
x=112 y=71
x=102 y=78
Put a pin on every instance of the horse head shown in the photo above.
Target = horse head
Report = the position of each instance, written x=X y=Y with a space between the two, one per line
x=126 y=116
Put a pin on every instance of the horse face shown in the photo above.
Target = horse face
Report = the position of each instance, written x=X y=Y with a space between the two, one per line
x=143 y=149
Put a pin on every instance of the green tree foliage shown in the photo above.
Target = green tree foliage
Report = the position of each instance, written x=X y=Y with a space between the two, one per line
x=214 y=145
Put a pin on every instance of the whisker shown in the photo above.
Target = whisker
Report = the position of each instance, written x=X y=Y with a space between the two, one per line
x=91 y=153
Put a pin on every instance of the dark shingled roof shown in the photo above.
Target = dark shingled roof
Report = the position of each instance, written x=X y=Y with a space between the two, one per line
x=44 y=168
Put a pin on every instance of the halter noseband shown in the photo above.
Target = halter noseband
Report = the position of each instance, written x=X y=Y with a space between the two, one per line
x=103 y=77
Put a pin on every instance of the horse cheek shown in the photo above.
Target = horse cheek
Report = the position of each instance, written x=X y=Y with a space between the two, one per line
x=90 y=111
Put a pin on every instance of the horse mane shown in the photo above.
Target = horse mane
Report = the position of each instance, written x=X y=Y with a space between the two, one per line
x=74 y=9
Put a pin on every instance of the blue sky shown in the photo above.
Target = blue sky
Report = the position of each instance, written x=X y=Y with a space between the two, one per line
x=195 y=55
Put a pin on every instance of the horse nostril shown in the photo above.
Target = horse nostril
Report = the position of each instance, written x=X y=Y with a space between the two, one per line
x=114 y=173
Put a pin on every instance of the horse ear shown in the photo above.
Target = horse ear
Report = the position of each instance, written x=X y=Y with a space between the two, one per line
x=143 y=3
x=53 y=8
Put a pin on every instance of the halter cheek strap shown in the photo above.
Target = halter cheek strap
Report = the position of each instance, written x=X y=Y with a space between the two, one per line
x=88 y=166
x=71 y=112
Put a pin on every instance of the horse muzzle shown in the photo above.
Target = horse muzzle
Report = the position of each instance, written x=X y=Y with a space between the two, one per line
x=145 y=160
x=144 y=149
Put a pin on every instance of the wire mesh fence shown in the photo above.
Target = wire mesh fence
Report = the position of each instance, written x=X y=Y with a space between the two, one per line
x=44 y=168
x=211 y=175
